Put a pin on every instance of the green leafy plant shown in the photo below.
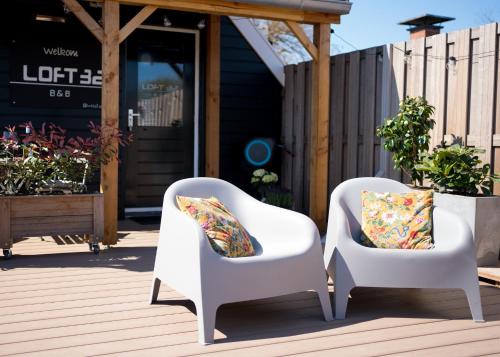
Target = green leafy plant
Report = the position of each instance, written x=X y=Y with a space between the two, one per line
x=457 y=169
x=276 y=196
x=265 y=183
x=406 y=135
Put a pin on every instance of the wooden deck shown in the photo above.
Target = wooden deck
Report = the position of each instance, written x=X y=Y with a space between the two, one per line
x=491 y=273
x=60 y=300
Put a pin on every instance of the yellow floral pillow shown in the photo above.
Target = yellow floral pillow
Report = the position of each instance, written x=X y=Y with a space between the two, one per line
x=393 y=220
x=226 y=235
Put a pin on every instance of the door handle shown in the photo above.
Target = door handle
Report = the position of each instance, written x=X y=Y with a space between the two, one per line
x=131 y=116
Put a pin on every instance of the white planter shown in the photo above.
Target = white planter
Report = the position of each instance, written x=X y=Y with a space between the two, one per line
x=483 y=216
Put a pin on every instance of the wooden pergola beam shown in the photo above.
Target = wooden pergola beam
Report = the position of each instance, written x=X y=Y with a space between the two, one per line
x=228 y=8
x=212 y=121
x=301 y=35
x=110 y=36
x=85 y=18
x=136 y=21
x=320 y=119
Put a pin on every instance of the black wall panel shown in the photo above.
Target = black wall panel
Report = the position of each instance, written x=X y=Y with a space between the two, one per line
x=250 y=104
x=250 y=95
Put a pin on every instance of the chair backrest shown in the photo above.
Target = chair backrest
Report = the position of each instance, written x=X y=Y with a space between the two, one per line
x=205 y=187
x=348 y=196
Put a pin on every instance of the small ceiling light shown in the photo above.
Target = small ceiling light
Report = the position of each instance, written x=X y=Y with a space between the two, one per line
x=50 y=18
x=166 y=22
x=66 y=9
x=202 y=24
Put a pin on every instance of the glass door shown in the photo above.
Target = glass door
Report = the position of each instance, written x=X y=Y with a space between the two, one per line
x=161 y=101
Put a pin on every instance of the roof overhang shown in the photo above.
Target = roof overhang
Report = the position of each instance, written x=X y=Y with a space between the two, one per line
x=339 y=7
x=302 y=11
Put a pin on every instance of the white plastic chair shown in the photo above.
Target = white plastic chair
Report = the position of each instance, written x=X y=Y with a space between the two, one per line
x=288 y=259
x=450 y=264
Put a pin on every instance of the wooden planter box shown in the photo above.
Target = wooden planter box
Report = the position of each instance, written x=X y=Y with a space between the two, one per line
x=28 y=216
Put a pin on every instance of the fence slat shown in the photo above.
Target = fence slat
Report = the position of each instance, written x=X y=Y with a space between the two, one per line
x=398 y=90
x=385 y=98
x=496 y=151
x=415 y=67
x=337 y=121
x=298 y=135
x=438 y=78
x=369 y=90
x=353 y=115
x=307 y=135
x=488 y=53
x=458 y=87
x=287 y=129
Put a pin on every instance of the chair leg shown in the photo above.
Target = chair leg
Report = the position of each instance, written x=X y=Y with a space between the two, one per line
x=343 y=283
x=206 y=322
x=326 y=304
x=340 y=298
x=155 y=289
x=474 y=299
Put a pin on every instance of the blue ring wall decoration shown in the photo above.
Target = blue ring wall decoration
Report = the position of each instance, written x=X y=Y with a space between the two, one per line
x=267 y=147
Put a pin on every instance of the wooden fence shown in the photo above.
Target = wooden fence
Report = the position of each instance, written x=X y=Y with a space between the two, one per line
x=458 y=73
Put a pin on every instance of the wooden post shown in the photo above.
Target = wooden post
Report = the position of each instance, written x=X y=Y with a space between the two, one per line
x=109 y=115
x=5 y=233
x=212 y=138
x=318 y=182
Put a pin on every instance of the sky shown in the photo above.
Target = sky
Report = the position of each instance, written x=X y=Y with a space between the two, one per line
x=375 y=22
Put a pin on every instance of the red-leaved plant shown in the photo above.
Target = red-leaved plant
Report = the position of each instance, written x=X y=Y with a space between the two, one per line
x=46 y=160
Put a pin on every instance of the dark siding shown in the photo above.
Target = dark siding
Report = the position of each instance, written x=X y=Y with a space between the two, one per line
x=250 y=104
x=250 y=95
x=17 y=21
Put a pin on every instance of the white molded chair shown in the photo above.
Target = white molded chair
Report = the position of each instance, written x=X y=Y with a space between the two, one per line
x=450 y=264
x=288 y=259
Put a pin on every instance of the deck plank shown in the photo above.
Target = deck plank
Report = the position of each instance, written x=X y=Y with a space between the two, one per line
x=60 y=300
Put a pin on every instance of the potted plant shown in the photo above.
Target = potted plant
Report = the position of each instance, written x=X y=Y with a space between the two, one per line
x=265 y=183
x=463 y=185
x=407 y=137
x=43 y=176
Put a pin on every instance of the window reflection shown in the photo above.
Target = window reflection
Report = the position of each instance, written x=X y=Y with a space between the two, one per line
x=160 y=92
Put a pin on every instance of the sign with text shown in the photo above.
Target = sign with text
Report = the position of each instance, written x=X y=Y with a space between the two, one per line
x=55 y=74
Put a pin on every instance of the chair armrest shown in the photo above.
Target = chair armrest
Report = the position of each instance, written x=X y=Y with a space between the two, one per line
x=339 y=232
x=181 y=237
x=271 y=223
x=450 y=231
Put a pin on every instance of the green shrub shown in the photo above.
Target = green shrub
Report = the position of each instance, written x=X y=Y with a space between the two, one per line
x=265 y=183
x=406 y=135
x=278 y=197
x=457 y=169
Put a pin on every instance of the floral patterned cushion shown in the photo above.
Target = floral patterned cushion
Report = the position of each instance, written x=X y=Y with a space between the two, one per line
x=226 y=235
x=393 y=220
